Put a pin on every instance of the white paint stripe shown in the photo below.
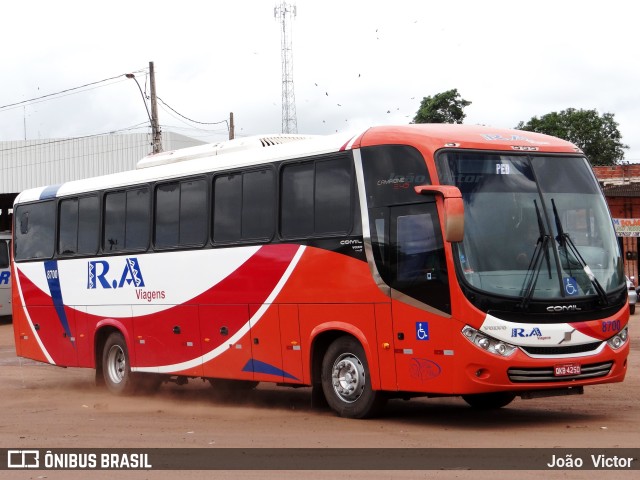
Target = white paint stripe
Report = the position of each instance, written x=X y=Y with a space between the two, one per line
x=26 y=312
x=196 y=362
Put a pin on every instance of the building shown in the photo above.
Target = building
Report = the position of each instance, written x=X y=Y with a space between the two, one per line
x=33 y=163
x=621 y=187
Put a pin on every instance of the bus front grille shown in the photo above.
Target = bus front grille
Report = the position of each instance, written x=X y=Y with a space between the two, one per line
x=562 y=350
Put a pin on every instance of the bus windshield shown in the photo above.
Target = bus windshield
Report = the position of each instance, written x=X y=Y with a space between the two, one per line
x=536 y=227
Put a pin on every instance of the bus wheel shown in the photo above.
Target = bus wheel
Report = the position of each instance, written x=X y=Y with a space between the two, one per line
x=345 y=380
x=115 y=366
x=488 y=401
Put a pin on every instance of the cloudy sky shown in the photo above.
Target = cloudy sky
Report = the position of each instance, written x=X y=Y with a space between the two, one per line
x=356 y=63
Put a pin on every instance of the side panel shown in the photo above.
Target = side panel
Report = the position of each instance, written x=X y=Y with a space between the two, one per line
x=424 y=350
x=60 y=339
x=291 y=343
x=168 y=337
x=221 y=328
x=385 y=345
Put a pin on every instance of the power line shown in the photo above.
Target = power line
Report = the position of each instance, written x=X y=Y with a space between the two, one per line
x=191 y=120
x=61 y=92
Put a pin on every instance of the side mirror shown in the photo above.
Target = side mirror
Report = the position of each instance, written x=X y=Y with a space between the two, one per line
x=453 y=209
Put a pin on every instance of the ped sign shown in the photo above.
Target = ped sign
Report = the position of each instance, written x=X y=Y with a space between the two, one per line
x=422 y=330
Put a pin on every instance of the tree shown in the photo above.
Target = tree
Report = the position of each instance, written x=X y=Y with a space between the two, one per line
x=597 y=135
x=445 y=107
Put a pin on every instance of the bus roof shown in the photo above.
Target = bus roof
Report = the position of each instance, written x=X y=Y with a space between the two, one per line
x=267 y=148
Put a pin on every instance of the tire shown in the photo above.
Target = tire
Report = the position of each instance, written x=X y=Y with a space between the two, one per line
x=346 y=383
x=116 y=369
x=489 y=401
x=632 y=309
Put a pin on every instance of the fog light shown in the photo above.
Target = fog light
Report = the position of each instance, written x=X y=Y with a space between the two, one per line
x=484 y=343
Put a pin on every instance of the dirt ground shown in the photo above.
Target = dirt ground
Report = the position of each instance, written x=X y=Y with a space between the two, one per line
x=42 y=406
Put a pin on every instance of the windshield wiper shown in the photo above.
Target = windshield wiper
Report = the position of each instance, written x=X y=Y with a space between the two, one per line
x=533 y=270
x=566 y=242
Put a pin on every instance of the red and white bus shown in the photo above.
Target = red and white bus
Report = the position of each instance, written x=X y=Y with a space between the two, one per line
x=420 y=260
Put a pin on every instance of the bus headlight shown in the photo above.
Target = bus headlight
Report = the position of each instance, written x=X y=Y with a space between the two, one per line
x=490 y=344
x=619 y=339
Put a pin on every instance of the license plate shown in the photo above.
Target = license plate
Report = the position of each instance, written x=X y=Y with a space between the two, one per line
x=567 y=370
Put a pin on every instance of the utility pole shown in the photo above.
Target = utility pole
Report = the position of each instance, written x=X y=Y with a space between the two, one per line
x=155 y=126
x=232 y=127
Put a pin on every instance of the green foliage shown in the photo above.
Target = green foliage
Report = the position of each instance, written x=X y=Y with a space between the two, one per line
x=597 y=135
x=445 y=107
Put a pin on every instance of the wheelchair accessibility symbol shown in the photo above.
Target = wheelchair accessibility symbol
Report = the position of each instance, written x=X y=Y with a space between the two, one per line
x=570 y=286
x=422 y=330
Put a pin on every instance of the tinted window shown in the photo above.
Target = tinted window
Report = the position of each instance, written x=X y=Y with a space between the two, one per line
x=34 y=230
x=258 y=205
x=227 y=208
x=88 y=224
x=4 y=254
x=181 y=213
x=167 y=215
x=137 y=219
x=316 y=198
x=68 y=227
x=193 y=212
x=409 y=252
x=333 y=197
x=114 y=225
x=78 y=225
x=243 y=207
x=126 y=220
x=297 y=200
x=390 y=174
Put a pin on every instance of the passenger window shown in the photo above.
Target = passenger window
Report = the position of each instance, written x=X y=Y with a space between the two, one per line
x=34 y=232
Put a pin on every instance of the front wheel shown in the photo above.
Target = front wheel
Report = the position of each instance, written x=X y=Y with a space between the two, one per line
x=345 y=380
x=489 y=401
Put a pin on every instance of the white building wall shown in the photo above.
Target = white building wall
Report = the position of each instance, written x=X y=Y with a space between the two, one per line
x=33 y=163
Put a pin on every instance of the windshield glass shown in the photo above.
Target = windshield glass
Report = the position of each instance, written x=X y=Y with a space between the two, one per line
x=536 y=227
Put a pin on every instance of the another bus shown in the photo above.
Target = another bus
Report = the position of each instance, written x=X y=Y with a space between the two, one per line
x=5 y=275
x=405 y=261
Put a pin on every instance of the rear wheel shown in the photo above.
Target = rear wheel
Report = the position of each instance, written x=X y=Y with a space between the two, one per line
x=489 y=401
x=116 y=369
x=346 y=382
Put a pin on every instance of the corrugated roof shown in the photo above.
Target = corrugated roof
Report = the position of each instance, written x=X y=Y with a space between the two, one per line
x=626 y=190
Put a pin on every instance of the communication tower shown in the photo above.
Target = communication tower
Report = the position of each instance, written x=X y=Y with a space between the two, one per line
x=284 y=13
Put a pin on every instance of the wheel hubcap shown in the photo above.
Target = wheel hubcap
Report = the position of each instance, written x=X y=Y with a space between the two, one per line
x=348 y=377
x=116 y=364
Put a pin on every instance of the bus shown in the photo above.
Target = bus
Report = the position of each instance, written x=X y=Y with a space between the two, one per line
x=399 y=262
x=5 y=275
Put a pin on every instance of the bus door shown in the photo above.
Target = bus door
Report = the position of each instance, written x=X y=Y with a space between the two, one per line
x=409 y=253
x=170 y=336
